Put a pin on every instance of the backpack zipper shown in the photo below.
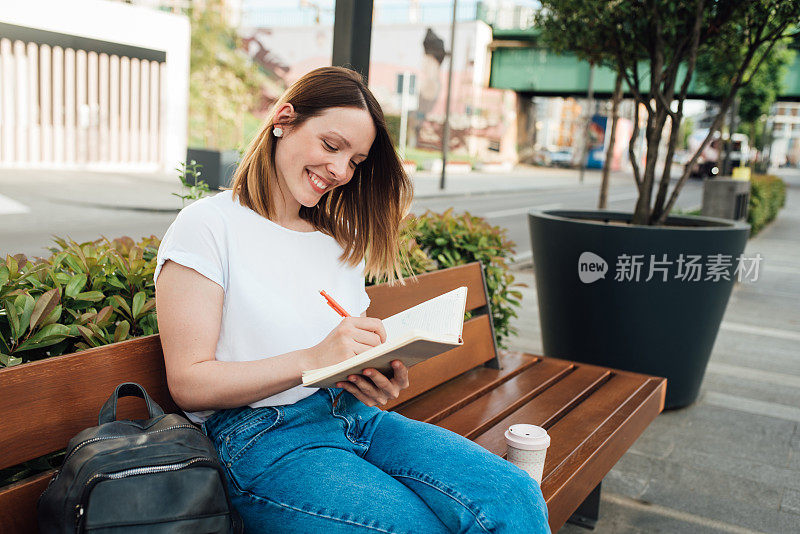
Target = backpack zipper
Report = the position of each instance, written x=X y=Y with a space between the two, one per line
x=102 y=438
x=80 y=509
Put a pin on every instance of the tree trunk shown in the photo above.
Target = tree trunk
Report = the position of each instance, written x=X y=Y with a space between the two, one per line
x=615 y=99
x=654 y=132
x=726 y=163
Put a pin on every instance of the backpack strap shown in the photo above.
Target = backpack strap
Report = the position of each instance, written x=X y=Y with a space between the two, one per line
x=108 y=412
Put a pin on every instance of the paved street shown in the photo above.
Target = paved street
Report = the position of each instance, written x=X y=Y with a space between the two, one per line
x=36 y=204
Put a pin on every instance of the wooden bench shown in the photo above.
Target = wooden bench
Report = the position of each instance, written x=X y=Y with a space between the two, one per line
x=592 y=414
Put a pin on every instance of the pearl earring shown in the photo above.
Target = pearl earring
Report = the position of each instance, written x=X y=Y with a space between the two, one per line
x=277 y=132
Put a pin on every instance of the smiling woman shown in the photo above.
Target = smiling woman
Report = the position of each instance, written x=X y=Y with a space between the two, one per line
x=315 y=205
x=323 y=130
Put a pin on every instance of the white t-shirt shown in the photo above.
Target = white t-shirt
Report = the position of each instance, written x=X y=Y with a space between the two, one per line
x=272 y=277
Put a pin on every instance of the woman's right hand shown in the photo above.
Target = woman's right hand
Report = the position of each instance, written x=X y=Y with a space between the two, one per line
x=352 y=336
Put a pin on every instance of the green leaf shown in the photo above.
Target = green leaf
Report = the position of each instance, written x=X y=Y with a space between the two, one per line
x=103 y=315
x=114 y=281
x=9 y=361
x=87 y=334
x=123 y=328
x=13 y=320
x=90 y=296
x=138 y=302
x=27 y=303
x=13 y=266
x=53 y=317
x=48 y=335
x=119 y=302
x=45 y=304
x=75 y=285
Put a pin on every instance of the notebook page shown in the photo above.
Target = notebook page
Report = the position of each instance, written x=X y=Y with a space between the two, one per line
x=441 y=315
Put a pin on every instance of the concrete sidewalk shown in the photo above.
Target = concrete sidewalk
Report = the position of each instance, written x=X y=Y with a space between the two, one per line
x=731 y=461
x=521 y=178
x=154 y=192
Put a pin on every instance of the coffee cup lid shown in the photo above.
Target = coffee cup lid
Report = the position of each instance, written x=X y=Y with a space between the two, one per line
x=527 y=437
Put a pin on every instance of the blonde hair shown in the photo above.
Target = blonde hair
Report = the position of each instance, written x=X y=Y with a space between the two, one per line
x=363 y=215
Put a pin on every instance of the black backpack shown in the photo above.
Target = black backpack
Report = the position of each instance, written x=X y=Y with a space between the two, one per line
x=159 y=475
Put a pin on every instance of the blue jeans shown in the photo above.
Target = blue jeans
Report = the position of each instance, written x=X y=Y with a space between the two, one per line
x=309 y=467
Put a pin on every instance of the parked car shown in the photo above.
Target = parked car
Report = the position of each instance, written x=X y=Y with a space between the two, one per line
x=709 y=164
x=556 y=157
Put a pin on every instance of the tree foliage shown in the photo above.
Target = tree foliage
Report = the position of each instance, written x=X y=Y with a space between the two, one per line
x=224 y=84
x=655 y=45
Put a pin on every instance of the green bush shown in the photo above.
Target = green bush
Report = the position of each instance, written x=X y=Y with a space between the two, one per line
x=767 y=197
x=451 y=240
x=393 y=126
x=82 y=296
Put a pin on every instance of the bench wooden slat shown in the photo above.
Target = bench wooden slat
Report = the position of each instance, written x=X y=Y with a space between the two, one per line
x=484 y=412
x=70 y=390
x=453 y=395
x=580 y=472
x=387 y=300
x=478 y=348
x=583 y=421
x=18 y=503
x=546 y=408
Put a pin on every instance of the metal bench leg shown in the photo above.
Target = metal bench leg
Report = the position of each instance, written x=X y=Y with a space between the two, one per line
x=587 y=513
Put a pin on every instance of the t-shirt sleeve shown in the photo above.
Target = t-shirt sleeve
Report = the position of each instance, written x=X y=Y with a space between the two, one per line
x=196 y=239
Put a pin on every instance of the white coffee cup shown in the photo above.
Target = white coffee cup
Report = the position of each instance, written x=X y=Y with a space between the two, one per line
x=527 y=447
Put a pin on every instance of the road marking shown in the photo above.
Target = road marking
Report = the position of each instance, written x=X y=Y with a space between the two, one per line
x=760 y=331
x=753 y=406
x=678 y=515
x=748 y=373
x=623 y=196
x=520 y=211
x=9 y=206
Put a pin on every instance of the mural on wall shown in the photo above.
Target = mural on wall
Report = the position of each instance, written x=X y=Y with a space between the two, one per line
x=430 y=88
x=480 y=118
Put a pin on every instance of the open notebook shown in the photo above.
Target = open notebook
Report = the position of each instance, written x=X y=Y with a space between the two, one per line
x=412 y=336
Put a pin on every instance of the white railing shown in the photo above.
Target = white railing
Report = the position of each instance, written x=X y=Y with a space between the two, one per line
x=67 y=108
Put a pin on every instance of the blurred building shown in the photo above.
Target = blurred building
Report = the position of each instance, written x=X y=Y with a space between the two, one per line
x=233 y=8
x=785 y=148
x=407 y=38
x=91 y=84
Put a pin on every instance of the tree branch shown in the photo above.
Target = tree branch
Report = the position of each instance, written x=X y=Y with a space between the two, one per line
x=677 y=117
x=637 y=175
x=687 y=170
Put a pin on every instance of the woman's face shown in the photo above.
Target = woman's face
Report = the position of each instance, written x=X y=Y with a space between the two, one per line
x=322 y=153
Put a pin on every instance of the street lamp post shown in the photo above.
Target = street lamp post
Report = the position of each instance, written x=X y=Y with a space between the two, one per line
x=446 y=132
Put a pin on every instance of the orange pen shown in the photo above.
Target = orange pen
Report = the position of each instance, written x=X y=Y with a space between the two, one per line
x=335 y=305
x=341 y=311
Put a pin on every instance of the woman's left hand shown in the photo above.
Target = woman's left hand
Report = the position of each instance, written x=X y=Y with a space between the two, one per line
x=373 y=388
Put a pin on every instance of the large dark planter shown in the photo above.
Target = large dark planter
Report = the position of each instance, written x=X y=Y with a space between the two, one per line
x=218 y=165
x=663 y=328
